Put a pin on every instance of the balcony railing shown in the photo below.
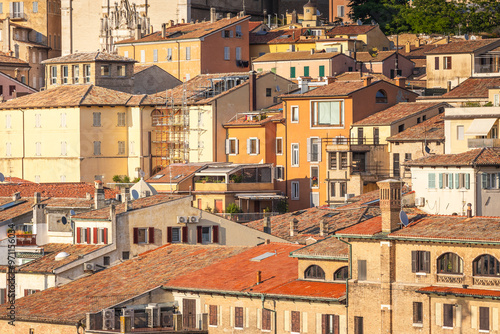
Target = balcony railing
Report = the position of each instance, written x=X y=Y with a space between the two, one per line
x=17 y=16
x=485 y=280
x=26 y=239
x=483 y=142
x=247 y=217
x=450 y=278
x=351 y=141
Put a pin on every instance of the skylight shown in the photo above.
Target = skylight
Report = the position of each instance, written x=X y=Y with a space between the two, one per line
x=157 y=176
x=10 y=205
x=177 y=176
x=297 y=213
x=262 y=257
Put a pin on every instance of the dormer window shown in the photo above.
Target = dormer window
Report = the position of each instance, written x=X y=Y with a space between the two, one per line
x=314 y=272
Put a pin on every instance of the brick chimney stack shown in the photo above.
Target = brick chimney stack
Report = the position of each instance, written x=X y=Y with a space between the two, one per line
x=294 y=227
x=99 y=200
x=267 y=225
x=213 y=15
x=400 y=81
x=390 y=204
x=323 y=227
x=367 y=81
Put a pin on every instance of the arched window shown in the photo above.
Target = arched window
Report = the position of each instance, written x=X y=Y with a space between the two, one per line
x=314 y=272
x=450 y=263
x=156 y=117
x=381 y=96
x=486 y=265
x=341 y=274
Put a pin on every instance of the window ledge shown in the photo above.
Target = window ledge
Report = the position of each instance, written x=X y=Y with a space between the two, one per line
x=447 y=327
x=418 y=325
x=421 y=274
x=483 y=331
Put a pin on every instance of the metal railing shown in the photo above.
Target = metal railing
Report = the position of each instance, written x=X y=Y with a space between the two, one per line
x=18 y=16
x=247 y=217
x=351 y=141
x=483 y=142
x=26 y=239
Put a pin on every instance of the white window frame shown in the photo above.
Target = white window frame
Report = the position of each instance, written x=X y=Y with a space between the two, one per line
x=314 y=115
x=460 y=132
x=292 y=149
x=292 y=109
x=279 y=140
x=236 y=146
x=227 y=53
x=76 y=74
x=38 y=120
x=313 y=141
x=143 y=56
x=38 y=148
x=87 y=72
x=53 y=75
x=8 y=149
x=188 y=53
x=155 y=55
x=249 y=146
x=146 y=235
x=64 y=74
x=310 y=178
x=295 y=191
x=63 y=120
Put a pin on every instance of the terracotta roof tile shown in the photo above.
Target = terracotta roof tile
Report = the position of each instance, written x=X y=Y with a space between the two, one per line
x=244 y=120
x=352 y=29
x=338 y=88
x=137 y=204
x=85 y=57
x=57 y=190
x=298 y=55
x=368 y=227
x=329 y=247
x=398 y=113
x=430 y=130
x=254 y=24
x=264 y=37
x=5 y=59
x=24 y=207
x=175 y=173
x=460 y=292
x=482 y=156
x=68 y=303
x=417 y=52
x=473 y=87
x=355 y=76
x=462 y=47
x=366 y=57
x=289 y=36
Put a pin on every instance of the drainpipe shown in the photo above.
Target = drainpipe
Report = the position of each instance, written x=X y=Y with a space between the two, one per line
x=24 y=148
x=263 y=297
x=347 y=286
x=179 y=60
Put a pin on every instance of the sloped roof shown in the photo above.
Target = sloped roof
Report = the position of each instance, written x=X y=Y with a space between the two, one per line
x=187 y=31
x=473 y=88
x=254 y=24
x=397 y=112
x=69 y=303
x=460 y=292
x=5 y=59
x=85 y=57
x=489 y=156
x=330 y=247
x=175 y=173
x=56 y=190
x=24 y=206
x=244 y=120
x=462 y=47
x=355 y=76
x=298 y=55
x=430 y=130
x=265 y=37
x=366 y=57
x=352 y=29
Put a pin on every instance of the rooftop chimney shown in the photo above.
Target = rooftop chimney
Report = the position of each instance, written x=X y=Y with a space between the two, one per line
x=228 y=15
x=329 y=80
x=323 y=227
x=37 y=198
x=88 y=196
x=367 y=80
x=400 y=81
x=417 y=43
x=99 y=195
x=312 y=51
x=16 y=196
x=408 y=47
x=213 y=15
x=390 y=204
x=469 y=210
x=294 y=227
x=163 y=32
x=259 y=277
x=112 y=212
x=303 y=83
x=253 y=90
x=267 y=225
x=127 y=206
x=138 y=34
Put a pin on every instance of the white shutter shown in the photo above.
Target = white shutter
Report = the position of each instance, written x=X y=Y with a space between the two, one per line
x=143 y=56
x=473 y=317
x=304 y=322
x=206 y=308
x=286 y=324
x=237 y=145
x=8 y=121
x=318 y=323
x=63 y=148
x=257 y=146
x=63 y=120
x=319 y=149
x=308 y=149
x=439 y=310
x=259 y=312
x=459 y=316
x=227 y=146
x=21 y=7
x=219 y=312
x=8 y=149
x=247 y=317
x=494 y=318
x=11 y=8
x=342 y=324
x=249 y=146
x=231 y=316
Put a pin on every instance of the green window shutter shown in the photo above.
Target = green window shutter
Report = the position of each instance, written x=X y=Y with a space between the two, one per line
x=440 y=180
x=322 y=71
x=306 y=71
x=484 y=179
x=292 y=72
x=450 y=181
x=467 y=181
x=432 y=181
x=457 y=180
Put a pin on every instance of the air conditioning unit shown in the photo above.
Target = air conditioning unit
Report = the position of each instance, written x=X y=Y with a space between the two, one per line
x=88 y=266
x=130 y=313
x=419 y=201
x=153 y=313
x=108 y=319
x=348 y=196
x=182 y=219
x=167 y=319
x=194 y=219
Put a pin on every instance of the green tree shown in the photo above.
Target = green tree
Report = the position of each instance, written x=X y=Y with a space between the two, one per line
x=387 y=13
x=433 y=16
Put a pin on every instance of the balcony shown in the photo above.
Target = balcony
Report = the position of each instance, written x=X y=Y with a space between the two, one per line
x=247 y=217
x=354 y=143
x=18 y=16
x=25 y=239
x=483 y=142
x=450 y=278
x=486 y=280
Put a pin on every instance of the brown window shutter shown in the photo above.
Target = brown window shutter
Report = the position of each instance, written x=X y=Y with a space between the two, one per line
x=88 y=235
x=136 y=235
x=78 y=235
x=414 y=257
x=436 y=63
x=336 y=324
x=96 y=239
x=169 y=234
x=484 y=318
x=213 y=315
x=5 y=295
x=215 y=234
x=325 y=328
x=427 y=262
x=26 y=292
x=185 y=234
x=296 y=321
x=151 y=236
x=105 y=236
x=266 y=320
x=199 y=232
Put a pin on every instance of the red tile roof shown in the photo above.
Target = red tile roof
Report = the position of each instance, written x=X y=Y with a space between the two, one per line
x=56 y=190
x=175 y=173
x=85 y=57
x=339 y=88
x=298 y=55
x=398 y=113
x=460 y=292
x=488 y=156
x=352 y=29
x=366 y=57
x=329 y=247
x=264 y=37
x=355 y=76
x=368 y=227
x=5 y=59
x=25 y=207
x=245 y=120
x=430 y=130
x=11 y=179
x=463 y=47
x=473 y=87
x=253 y=25
x=137 y=204
x=68 y=303
x=278 y=275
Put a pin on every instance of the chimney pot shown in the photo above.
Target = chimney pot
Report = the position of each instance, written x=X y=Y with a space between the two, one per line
x=408 y=47
x=367 y=81
x=213 y=15
x=37 y=198
x=401 y=82
x=469 y=210
x=138 y=33
x=259 y=277
x=16 y=196
x=323 y=227
x=163 y=32
x=267 y=225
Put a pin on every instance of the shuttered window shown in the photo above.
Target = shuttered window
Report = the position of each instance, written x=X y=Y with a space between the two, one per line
x=185 y=234
x=329 y=324
x=292 y=72
x=420 y=261
x=96 y=118
x=362 y=270
x=199 y=234
x=212 y=315
x=417 y=313
x=266 y=320
x=358 y=325
x=431 y=181
x=484 y=318
x=238 y=317
x=215 y=234
x=295 y=321
x=448 y=315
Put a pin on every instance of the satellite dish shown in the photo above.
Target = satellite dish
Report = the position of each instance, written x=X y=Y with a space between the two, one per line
x=142 y=174
x=72 y=212
x=427 y=149
x=64 y=220
x=2 y=178
x=135 y=194
x=403 y=218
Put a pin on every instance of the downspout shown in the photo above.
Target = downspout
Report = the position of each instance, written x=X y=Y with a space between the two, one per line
x=285 y=112
x=347 y=286
x=24 y=148
x=263 y=297
x=214 y=117
x=178 y=60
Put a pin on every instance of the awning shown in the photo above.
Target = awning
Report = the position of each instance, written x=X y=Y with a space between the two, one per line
x=263 y=196
x=480 y=126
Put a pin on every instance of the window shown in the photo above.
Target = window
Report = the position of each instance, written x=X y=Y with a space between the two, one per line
x=96 y=119
x=238 y=317
x=341 y=274
x=295 y=321
x=314 y=177
x=424 y=118
x=342 y=189
x=121 y=147
x=8 y=149
x=38 y=148
x=407 y=158
x=381 y=96
x=327 y=113
x=62 y=178
x=1 y=8
x=358 y=325
x=266 y=320
x=295 y=190
x=431 y=181
x=362 y=270
x=188 y=53
x=64 y=148
x=212 y=315
x=496 y=99
x=395 y=164
x=121 y=119
x=314 y=149
x=12 y=90
x=417 y=313
x=143 y=235
x=125 y=255
x=322 y=71
x=86 y=73
x=238 y=53
x=106 y=260
x=447 y=63
x=450 y=263
x=343 y=160
x=294 y=114
x=253 y=146
x=205 y=234
x=121 y=70
x=169 y=54
x=306 y=71
x=105 y=71
x=436 y=63
x=53 y=75
x=490 y=180
x=340 y=11
x=279 y=146
x=17 y=9
x=486 y=265
x=238 y=31
x=448 y=315
x=333 y=160
x=155 y=55
x=462 y=180
x=292 y=72
x=295 y=155
x=279 y=173
x=97 y=148
x=64 y=70
x=226 y=53
x=176 y=234
x=8 y=121
x=420 y=262
x=460 y=132
x=484 y=318
x=76 y=74
x=232 y=146
x=143 y=56
x=125 y=54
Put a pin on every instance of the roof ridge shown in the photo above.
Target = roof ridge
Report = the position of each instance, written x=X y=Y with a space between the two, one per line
x=85 y=95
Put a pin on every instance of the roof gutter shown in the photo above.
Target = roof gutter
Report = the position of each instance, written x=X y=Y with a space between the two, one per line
x=416 y=239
